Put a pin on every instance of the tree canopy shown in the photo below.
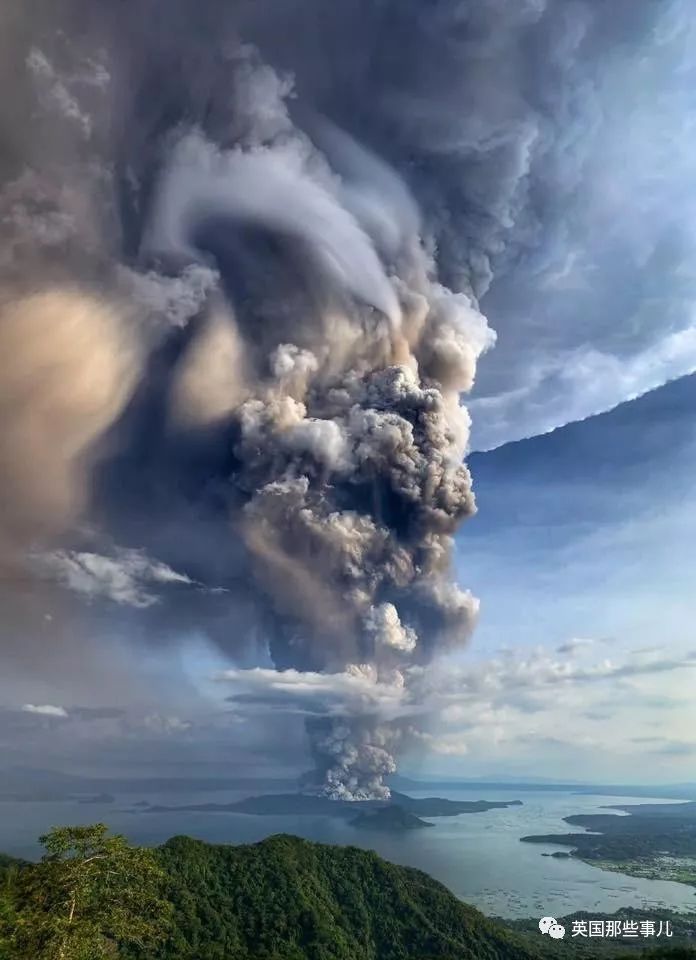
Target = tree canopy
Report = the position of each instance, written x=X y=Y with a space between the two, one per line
x=95 y=897
x=90 y=895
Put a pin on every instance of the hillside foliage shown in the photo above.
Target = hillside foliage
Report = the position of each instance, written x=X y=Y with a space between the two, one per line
x=281 y=899
x=289 y=899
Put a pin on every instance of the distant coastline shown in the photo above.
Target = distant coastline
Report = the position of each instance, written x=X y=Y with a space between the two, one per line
x=680 y=791
x=653 y=841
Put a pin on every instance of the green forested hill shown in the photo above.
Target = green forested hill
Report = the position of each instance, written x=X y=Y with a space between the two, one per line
x=289 y=899
x=281 y=899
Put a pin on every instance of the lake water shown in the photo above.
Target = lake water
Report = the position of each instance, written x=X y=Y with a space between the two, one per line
x=478 y=856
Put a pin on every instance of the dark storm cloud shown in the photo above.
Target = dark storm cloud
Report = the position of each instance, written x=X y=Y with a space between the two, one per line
x=244 y=252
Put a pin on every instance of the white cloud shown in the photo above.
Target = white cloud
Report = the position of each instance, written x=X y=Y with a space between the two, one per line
x=575 y=645
x=504 y=678
x=54 y=92
x=124 y=578
x=447 y=745
x=509 y=703
x=358 y=689
x=45 y=710
x=455 y=713
x=535 y=711
x=576 y=385
x=165 y=725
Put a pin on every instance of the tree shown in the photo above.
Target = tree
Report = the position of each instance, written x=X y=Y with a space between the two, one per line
x=91 y=894
x=8 y=877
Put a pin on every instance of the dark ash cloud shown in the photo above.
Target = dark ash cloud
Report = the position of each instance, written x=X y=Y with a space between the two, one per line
x=245 y=253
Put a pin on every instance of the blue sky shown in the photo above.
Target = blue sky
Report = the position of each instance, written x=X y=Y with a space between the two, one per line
x=582 y=554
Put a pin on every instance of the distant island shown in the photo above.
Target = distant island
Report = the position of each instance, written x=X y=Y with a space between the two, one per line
x=301 y=804
x=655 y=841
x=390 y=819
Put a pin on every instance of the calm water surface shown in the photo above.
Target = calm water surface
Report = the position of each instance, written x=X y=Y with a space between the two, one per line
x=478 y=856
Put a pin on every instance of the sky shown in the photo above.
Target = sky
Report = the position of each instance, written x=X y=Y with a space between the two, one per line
x=248 y=335
x=582 y=556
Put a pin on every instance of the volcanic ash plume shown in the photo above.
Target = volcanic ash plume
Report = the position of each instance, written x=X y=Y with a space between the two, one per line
x=293 y=439
x=348 y=474
x=352 y=758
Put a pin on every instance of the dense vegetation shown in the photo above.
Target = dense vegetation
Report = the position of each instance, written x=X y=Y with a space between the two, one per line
x=282 y=899
x=289 y=899
x=90 y=894
x=8 y=873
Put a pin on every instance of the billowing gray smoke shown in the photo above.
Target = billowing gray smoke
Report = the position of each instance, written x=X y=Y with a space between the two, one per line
x=242 y=251
x=347 y=437
x=352 y=756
